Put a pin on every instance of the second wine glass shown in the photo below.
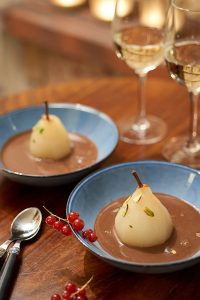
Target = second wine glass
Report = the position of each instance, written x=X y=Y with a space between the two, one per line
x=138 y=35
x=182 y=55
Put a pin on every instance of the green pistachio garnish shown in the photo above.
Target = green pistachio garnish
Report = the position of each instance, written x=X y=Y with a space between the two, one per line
x=125 y=209
x=149 y=212
x=37 y=128
x=33 y=141
x=41 y=130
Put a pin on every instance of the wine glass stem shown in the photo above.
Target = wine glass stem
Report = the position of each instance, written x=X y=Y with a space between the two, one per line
x=194 y=118
x=141 y=96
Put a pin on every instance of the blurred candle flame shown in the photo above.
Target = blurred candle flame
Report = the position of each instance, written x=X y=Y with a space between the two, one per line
x=153 y=13
x=105 y=9
x=68 y=3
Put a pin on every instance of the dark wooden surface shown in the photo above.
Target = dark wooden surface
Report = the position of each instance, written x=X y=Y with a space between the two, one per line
x=51 y=260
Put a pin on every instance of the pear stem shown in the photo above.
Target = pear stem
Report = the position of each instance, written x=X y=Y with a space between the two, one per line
x=46 y=110
x=139 y=182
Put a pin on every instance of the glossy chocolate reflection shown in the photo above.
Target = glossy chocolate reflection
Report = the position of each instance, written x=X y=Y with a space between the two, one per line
x=183 y=243
x=16 y=156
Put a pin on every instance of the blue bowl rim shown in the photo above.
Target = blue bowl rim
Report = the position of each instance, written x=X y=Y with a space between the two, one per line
x=109 y=257
x=76 y=106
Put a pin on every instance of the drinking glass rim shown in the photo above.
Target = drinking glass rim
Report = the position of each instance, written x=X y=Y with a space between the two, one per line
x=184 y=8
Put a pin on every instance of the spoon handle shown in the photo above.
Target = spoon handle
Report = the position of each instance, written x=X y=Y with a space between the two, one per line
x=4 y=247
x=7 y=271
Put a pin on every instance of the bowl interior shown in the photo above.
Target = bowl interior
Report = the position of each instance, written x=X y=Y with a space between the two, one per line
x=98 y=189
x=77 y=118
x=85 y=120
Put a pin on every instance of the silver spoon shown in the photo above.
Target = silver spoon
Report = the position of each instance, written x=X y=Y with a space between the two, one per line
x=18 y=230
x=23 y=228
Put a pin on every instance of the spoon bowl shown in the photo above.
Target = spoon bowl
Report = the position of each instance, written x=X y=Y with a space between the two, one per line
x=23 y=227
x=26 y=223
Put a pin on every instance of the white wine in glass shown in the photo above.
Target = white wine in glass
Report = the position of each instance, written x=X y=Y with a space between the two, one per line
x=182 y=55
x=138 y=36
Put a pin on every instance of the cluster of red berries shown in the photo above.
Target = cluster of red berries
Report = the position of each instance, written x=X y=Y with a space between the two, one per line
x=73 y=220
x=72 y=292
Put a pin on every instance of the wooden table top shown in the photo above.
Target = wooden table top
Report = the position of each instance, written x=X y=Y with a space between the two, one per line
x=51 y=260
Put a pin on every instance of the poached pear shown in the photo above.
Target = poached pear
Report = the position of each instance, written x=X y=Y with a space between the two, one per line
x=142 y=220
x=49 y=138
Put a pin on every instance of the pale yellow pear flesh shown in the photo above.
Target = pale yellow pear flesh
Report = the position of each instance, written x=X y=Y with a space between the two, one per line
x=142 y=220
x=49 y=139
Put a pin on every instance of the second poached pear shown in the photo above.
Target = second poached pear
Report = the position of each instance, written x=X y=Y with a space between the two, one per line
x=142 y=220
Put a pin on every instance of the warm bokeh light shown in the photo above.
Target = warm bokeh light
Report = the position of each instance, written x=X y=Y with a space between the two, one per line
x=104 y=9
x=68 y=3
x=153 y=13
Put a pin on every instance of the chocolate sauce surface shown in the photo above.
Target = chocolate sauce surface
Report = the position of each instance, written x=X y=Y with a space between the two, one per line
x=183 y=243
x=16 y=156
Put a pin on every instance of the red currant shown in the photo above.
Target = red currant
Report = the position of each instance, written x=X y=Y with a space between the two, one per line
x=79 y=297
x=66 y=230
x=73 y=216
x=58 y=225
x=71 y=287
x=86 y=233
x=50 y=220
x=66 y=295
x=55 y=297
x=78 y=224
x=92 y=237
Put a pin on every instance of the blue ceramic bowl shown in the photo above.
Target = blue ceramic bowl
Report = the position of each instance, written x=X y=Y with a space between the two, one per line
x=101 y=187
x=77 y=118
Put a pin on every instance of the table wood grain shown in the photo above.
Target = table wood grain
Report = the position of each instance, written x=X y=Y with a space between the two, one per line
x=51 y=260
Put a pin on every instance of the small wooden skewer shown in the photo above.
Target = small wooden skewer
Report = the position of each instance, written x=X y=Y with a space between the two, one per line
x=46 y=110
x=139 y=182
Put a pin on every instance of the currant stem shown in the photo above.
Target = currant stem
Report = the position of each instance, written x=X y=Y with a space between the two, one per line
x=59 y=218
x=82 y=288
x=139 y=182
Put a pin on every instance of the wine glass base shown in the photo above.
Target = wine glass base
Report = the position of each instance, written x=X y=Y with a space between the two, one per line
x=177 y=151
x=145 y=131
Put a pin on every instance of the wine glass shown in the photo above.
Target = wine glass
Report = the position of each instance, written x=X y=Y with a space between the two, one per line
x=182 y=55
x=138 y=29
